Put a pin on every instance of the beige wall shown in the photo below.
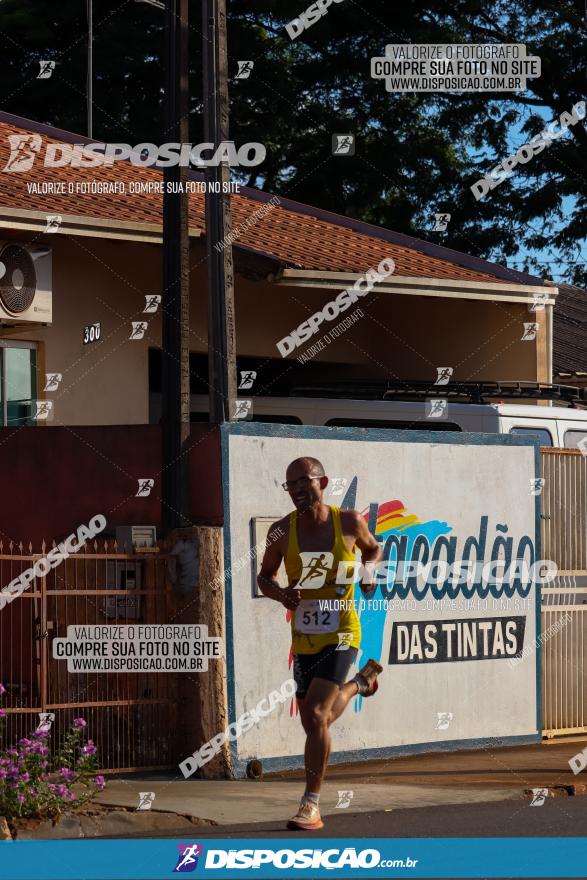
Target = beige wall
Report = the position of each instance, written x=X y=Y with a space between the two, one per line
x=399 y=337
x=107 y=281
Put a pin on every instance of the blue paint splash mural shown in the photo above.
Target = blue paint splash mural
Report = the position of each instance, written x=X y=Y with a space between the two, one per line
x=386 y=519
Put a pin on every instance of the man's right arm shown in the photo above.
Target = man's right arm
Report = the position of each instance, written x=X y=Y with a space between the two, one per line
x=272 y=559
x=266 y=579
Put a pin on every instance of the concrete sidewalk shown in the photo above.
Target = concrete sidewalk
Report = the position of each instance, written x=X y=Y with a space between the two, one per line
x=540 y=765
x=434 y=779
x=231 y=803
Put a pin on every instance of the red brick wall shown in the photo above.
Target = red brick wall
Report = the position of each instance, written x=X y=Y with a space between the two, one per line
x=54 y=479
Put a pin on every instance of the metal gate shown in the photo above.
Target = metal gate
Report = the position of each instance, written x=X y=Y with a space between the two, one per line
x=130 y=716
x=564 y=602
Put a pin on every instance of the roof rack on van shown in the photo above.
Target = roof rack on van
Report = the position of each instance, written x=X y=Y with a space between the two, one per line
x=466 y=392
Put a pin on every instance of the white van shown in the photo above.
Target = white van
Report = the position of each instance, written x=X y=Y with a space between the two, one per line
x=559 y=426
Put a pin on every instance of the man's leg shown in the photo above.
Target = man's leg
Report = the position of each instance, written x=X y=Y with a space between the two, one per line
x=321 y=702
x=316 y=710
x=345 y=695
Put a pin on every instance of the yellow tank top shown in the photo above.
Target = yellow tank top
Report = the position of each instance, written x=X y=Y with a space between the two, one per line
x=316 y=623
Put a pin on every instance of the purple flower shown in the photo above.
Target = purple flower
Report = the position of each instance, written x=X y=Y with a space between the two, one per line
x=67 y=774
x=40 y=733
x=2 y=773
x=25 y=777
x=24 y=741
x=100 y=782
x=21 y=798
x=2 y=711
x=89 y=748
x=2 y=689
x=72 y=796
x=79 y=723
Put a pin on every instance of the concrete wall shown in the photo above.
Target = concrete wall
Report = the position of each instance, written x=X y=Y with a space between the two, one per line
x=449 y=487
x=107 y=281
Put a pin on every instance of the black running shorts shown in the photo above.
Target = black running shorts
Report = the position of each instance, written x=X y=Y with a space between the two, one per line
x=329 y=663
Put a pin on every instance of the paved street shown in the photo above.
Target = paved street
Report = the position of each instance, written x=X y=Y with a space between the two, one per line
x=558 y=817
x=475 y=793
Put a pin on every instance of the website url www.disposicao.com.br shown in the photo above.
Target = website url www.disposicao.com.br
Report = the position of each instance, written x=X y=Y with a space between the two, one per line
x=329 y=859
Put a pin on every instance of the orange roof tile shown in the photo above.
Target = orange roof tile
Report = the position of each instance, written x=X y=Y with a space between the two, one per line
x=299 y=236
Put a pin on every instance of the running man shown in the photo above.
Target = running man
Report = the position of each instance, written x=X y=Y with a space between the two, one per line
x=324 y=640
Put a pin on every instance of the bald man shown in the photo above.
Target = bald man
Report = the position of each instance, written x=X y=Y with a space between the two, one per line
x=325 y=635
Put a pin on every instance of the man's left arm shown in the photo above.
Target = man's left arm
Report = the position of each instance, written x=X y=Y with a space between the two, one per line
x=371 y=552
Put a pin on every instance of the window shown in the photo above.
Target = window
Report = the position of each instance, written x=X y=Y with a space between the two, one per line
x=421 y=425
x=574 y=437
x=18 y=383
x=279 y=420
x=541 y=433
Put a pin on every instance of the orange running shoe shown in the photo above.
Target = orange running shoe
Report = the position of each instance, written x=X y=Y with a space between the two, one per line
x=307 y=818
x=368 y=674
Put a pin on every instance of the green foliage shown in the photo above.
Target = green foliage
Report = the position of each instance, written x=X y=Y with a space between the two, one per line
x=416 y=154
x=35 y=785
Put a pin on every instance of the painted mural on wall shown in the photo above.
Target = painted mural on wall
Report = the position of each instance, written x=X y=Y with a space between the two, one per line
x=455 y=604
x=424 y=563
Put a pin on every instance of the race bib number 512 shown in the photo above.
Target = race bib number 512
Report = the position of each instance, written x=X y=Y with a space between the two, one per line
x=311 y=618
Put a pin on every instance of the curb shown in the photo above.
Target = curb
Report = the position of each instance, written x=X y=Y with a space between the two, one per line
x=574 y=790
x=115 y=823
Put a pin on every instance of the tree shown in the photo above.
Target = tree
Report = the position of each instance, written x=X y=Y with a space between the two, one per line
x=416 y=154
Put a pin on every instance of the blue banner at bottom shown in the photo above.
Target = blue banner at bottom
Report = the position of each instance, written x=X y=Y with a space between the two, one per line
x=273 y=858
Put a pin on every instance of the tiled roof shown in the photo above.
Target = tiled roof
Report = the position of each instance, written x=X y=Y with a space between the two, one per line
x=570 y=330
x=299 y=236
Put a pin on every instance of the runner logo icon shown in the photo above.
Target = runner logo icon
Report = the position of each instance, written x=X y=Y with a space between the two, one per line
x=344 y=641
x=187 y=860
x=539 y=796
x=315 y=568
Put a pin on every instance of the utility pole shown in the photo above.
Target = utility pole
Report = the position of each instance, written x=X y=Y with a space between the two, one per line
x=90 y=74
x=175 y=298
x=221 y=320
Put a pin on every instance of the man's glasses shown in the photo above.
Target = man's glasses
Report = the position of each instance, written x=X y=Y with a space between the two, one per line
x=304 y=482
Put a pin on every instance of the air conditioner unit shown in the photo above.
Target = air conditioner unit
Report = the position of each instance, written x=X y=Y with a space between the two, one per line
x=25 y=284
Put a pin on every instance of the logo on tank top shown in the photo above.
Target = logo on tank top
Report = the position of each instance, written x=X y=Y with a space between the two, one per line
x=315 y=568
x=344 y=641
